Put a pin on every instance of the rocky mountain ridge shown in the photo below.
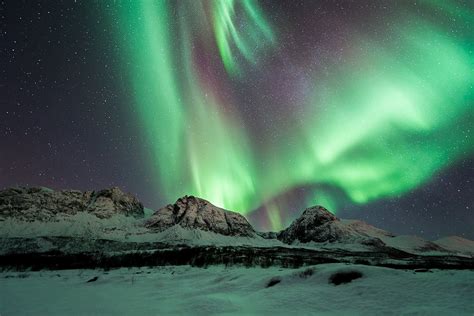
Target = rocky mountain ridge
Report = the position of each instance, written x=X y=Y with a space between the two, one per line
x=43 y=204
x=42 y=221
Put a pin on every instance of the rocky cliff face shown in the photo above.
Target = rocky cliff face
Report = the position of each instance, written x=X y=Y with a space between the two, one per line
x=195 y=213
x=317 y=224
x=30 y=204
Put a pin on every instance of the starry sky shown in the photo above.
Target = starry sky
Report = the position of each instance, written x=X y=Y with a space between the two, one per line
x=261 y=107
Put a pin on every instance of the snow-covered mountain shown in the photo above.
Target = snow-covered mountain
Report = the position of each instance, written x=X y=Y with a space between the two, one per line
x=43 y=204
x=318 y=225
x=194 y=213
x=38 y=220
x=38 y=214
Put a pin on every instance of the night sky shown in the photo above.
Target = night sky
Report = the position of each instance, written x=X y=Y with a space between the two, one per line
x=262 y=107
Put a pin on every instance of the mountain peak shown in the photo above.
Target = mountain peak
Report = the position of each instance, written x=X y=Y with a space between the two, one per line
x=317 y=224
x=196 y=213
x=318 y=215
x=313 y=225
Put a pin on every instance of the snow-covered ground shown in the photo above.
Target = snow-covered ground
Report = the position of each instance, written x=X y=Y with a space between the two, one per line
x=237 y=291
x=121 y=228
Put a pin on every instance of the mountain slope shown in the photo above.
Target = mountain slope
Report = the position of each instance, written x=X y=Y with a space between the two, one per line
x=413 y=244
x=456 y=244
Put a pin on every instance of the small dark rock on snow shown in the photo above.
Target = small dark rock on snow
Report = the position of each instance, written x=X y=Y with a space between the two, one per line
x=344 y=277
x=273 y=281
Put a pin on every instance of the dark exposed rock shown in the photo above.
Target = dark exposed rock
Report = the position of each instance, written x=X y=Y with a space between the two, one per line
x=268 y=235
x=423 y=270
x=273 y=282
x=312 y=225
x=373 y=242
x=430 y=246
x=306 y=273
x=195 y=213
x=344 y=277
x=43 y=204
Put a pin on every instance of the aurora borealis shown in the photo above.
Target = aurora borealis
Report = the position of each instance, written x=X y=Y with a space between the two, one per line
x=262 y=107
x=379 y=124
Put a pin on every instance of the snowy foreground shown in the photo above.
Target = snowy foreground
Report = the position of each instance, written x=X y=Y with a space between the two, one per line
x=237 y=291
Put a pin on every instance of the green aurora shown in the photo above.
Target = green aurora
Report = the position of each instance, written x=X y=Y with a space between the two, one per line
x=383 y=122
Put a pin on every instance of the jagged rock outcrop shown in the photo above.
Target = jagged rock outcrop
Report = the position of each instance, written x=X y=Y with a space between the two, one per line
x=195 y=213
x=43 y=204
x=317 y=224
